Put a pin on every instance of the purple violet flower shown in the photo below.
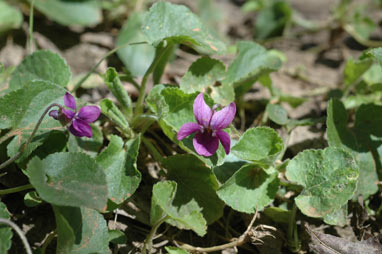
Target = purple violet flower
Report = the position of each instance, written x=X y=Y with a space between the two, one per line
x=79 y=121
x=209 y=127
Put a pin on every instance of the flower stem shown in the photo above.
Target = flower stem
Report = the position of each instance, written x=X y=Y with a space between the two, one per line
x=142 y=89
x=31 y=40
x=111 y=52
x=9 y=161
x=149 y=239
x=152 y=150
x=16 y=189
x=19 y=232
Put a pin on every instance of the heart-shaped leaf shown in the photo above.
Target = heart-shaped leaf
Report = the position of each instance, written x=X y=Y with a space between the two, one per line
x=84 y=13
x=260 y=145
x=249 y=189
x=69 y=179
x=329 y=178
x=176 y=23
x=339 y=135
x=80 y=230
x=41 y=65
x=137 y=58
x=189 y=172
x=163 y=206
x=206 y=75
x=5 y=231
x=119 y=164
x=252 y=62
x=10 y=17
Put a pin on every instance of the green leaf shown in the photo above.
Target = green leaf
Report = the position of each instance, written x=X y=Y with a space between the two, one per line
x=84 y=13
x=338 y=133
x=175 y=108
x=366 y=127
x=119 y=164
x=175 y=250
x=354 y=69
x=278 y=215
x=373 y=76
x=277 y=114
x=163 y=205
x=230 y=165
x=261 y=145
x=31 y=199
x=109 y=109
x=69 y=179
x=340 y=136
x=168 y=49
x=5 y=231
x=272 y=20
x=329 y=178
x=252 y=62
x=206 y=75
x=90 y=146
x=376 y=54
x=80 y=230
x=41 y=65
x=176 y=23
x=249 y=189
x=191 y=174
x=337 y=217
x=116 y=88
x=362 y=23
x=117 y=237
x=136 y=58
x=32 y=101
x=10 y=17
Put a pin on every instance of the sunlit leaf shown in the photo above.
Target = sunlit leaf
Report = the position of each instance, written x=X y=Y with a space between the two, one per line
x=329 y=178
x=176 y=23
x=69 y=179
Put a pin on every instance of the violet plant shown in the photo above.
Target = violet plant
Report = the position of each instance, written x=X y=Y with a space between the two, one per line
x=79 y=122
x=208 y=128
x=91 y=172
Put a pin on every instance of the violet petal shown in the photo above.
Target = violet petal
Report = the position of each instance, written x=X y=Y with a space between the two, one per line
x=89 y=113
x=68 y=113
x=69 y=101
x=54 y=114
x=225 y=140
x=224 y=117
x=205 y=144
x=82 y=128
x=202 y=111
x=74 y=131
x=187 y=129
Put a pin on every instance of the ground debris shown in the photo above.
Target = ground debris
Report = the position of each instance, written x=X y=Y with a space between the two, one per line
x=329 y=244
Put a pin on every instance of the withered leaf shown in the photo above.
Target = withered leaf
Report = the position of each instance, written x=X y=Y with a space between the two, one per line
x=329 y=244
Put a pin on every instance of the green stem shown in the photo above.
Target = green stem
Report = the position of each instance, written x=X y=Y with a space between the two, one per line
x=111 y=52
x=142 y=89
x=9 y=161
x=149 y=239
x=368 y=43
x=16 y=189
x=31 y=39
x=152 y=150
x=48 y=240
x=19 y=232
x=292 y=230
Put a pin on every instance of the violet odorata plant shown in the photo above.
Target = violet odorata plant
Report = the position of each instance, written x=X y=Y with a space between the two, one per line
x=209 y=127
